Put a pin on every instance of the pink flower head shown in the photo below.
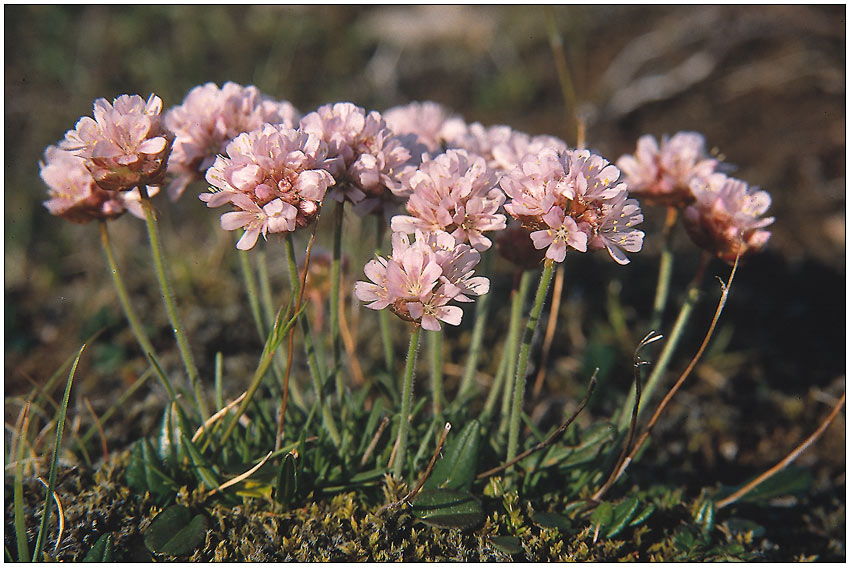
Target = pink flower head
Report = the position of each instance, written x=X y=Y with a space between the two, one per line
x=421 y=277
x=455 y=192
x=663 y=174
x=367 y=158
x=209 y=119
x=724 y=218
x=125 y=145
x=430 y=123
x=275 y=177
x=571 y=200
x=76 y=197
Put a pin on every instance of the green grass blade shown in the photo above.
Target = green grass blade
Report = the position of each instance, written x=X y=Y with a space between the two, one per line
x=20 y=520
x=54 y=462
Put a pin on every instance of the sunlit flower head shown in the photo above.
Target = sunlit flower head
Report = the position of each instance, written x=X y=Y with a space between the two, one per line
x=430 y=123
x=275 y=177
x=366 y=158
x=572 y=200
x=726 y=217
x=76 y=197
x=125 y=145
x=209 y=118
x=663 y=174
x=457 y=193
x=421 y=277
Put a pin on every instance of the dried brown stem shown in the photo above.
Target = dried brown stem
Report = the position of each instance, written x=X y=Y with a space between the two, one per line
x=549 y=440
x=100 y=431
x=734 y=497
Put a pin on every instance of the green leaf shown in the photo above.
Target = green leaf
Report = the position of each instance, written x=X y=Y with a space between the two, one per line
x=602 y=516
x=202 y=469
x=101 y=551
x=507 y=544
x=642 y=516
x=585 y=451
x=448 y=508
x=175 y=532
x=287 y=481
x=705 y=515
x=623 y=513
x=793 y=480
x=549 y=520
x=143 y=473
x=456 y=470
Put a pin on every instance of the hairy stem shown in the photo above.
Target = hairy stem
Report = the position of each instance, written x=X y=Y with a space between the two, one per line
x=525 y=351
x=517 y=303
x=406 y=401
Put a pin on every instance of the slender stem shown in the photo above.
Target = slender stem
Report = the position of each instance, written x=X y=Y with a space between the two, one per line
x=496 y=387
x=265 y=288
x=481 y=311
x=168 y=300
x=557 y=292
x=525 y=350
x=790 y=458
x=517 y=303
x=383 y=314
x=336 y=343
x=123 y=297
x=312 y=360
x=406 y=401
x=435 y=346
x=665 y=270
x=660 y=366
x=251 y=289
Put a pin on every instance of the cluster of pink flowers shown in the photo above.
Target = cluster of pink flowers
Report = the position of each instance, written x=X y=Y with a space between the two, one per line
x=209 y=118
x=275 y=177
x=571 y=199
x=457 y=193
x=125 y=145
x=368 y=158
x=421 y=277
x=663 y=174
x=430 y=124
x=725 y=217
x=76 y=197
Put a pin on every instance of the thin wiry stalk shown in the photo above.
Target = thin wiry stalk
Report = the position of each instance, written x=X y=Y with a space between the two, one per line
x=168 y=300
x=383 y=315
x=665 y=270
x=524 y=353
x=20 y=518
x=123 y=296
x=557 y=291
x=617 y=473
x=435 y=346
x=517 y=303
x=406 y=401
x=790 y=458
x=482 y=310
x=336 y=266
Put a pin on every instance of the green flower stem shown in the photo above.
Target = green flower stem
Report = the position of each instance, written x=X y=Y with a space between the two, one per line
x=168 y=299
x=435 y=346
x=406 y=401
x=660 y=365
x=312 y=360
x=525 y=350
x=383 y=314
x=336 y=341
x=495 y=389
x=665 y=270
x=251 y=289
x=512 y=348
x=266 y=288
x=123 y=297
x=482 y=310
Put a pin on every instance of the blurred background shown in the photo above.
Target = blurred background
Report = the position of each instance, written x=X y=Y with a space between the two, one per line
x=766 y=85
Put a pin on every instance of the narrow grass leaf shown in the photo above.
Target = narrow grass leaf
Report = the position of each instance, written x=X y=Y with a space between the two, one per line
x=448 y=509
x=20 y=519
x=623 y=513
x=101 y=551
x=200 y=465
x=54 y=461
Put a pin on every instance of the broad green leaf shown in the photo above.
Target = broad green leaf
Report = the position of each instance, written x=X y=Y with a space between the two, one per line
x=507 y=544
x=101 y=551
x=549 y=520
x=793 y=480
x=287 y=481
x=456 y=470
x=642 y=516
x=176 y=532
x=602 y=516
x=623 y=513
x=448 y=508
x=144 y=474
x=202 y=469
x=585 y=451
